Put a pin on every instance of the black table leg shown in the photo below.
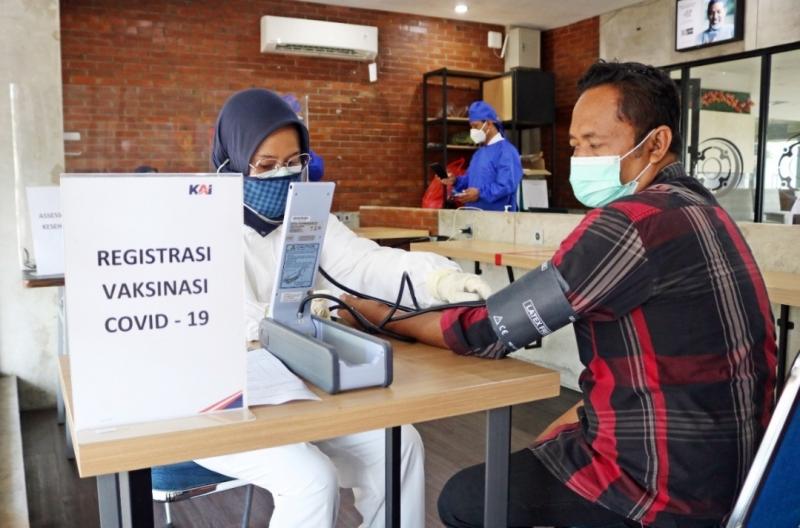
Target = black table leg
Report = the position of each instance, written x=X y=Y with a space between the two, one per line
x=784 y=325
x=510 y=272
x=125 y=500
x=498 y=445
x=69 y=448
x=393 y=477
x=62 y=336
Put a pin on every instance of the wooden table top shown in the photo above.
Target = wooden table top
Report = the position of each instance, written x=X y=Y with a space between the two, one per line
x=482 y=250
x=31 y=280
x=429 y=383
x=529 y=258
x=386 y=233
x=783 y=287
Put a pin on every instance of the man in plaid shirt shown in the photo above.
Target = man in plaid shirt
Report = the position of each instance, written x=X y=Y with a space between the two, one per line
x=672 y=320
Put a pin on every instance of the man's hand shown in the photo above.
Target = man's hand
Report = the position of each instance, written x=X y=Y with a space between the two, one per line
x=450 y=180
x=470 y=195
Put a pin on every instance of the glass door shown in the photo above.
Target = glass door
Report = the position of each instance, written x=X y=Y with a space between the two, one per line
x=781 y=168
x=722 y=128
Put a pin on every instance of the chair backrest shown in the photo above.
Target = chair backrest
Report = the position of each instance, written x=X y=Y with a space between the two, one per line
x=770 y=495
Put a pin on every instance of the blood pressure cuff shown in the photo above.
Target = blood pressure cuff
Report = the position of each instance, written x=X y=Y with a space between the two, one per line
x=531 y=307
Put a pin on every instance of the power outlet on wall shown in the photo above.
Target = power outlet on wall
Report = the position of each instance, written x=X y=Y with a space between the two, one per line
x=538 y=237
x=347 y=218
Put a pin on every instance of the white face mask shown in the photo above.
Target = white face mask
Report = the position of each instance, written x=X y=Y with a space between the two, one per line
x=596 y=181
x=477 y=135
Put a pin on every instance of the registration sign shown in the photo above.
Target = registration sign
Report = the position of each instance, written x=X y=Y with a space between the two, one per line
x=154 y=296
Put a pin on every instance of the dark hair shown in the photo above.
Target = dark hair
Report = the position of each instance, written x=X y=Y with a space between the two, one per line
x=711 y=4
x=648 y=98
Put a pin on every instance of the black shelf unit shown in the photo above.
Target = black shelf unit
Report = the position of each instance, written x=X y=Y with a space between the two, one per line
x=439 y=151
x=533 y=106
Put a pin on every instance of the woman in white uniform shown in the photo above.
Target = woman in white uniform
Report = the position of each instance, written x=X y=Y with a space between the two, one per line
x=258 y=135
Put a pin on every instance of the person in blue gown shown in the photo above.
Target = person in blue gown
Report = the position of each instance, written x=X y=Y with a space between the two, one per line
x=316 y=167
x=495 y=170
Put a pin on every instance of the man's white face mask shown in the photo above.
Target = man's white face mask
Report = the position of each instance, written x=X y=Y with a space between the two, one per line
x=478 y=135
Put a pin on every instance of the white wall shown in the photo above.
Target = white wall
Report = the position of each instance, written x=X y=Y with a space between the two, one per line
x=646 y=32
x=30 y=57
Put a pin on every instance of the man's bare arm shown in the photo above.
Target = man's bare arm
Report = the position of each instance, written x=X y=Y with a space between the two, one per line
x=424 y=328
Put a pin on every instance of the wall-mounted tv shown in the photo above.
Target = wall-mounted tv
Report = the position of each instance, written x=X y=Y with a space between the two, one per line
x=701 y=23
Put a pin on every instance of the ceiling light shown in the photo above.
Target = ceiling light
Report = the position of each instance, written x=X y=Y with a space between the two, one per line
x=461 y=8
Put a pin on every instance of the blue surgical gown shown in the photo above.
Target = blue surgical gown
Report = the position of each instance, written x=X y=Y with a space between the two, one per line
x=316 y=167
x=495 y=170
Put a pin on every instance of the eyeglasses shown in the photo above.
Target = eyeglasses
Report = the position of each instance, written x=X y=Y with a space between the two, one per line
x=267 y=167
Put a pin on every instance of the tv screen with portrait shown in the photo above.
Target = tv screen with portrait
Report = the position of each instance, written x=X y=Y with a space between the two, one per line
x=701 y=23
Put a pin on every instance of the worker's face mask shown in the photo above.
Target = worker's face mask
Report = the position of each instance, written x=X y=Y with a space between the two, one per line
x=596 y=181
x=267 y=193
x=478 y=135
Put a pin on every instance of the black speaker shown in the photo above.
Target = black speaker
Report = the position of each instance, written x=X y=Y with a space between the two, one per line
x=534 y=96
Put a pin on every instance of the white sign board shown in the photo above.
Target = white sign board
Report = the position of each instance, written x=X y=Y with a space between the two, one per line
x=154 y=294
x=44 y=207
x=534 y=193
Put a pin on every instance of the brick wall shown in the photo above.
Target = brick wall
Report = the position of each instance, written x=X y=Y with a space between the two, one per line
x=567 y=51
x=412 y=218
x=144 y=80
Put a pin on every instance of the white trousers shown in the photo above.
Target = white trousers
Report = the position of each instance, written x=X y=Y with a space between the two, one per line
x=304 y=479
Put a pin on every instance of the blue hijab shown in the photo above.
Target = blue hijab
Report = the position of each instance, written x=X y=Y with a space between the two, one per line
x=246 y=119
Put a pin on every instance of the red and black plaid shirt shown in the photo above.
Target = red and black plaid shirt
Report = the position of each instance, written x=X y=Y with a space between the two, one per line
x=677 y=338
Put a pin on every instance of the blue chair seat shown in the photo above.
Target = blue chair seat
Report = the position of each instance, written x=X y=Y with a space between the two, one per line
x=185 y=475
x=186 y=480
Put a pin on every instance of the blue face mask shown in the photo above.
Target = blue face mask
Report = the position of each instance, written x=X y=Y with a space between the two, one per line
x=267 y=196
x=596 y=181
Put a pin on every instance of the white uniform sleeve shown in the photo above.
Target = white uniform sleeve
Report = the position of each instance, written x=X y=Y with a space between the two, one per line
x=355 y=262
x=366 y=267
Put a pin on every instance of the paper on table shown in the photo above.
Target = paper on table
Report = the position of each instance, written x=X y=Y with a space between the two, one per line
x=269 y=382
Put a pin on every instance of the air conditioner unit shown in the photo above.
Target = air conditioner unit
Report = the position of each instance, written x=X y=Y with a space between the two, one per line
x=317 y=38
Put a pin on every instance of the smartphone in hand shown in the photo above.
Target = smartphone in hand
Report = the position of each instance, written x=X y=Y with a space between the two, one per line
x=438 y=170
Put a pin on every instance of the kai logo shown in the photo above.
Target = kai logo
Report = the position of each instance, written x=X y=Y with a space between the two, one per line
x=201 y=188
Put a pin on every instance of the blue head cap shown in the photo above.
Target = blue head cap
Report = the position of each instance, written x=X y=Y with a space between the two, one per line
x=246 y=119
x=483 y=111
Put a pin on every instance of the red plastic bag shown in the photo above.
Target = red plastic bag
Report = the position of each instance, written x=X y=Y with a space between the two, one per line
x=434 y=197
x=456 y=167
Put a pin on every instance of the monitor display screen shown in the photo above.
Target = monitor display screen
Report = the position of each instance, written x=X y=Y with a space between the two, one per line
x=702 y=23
